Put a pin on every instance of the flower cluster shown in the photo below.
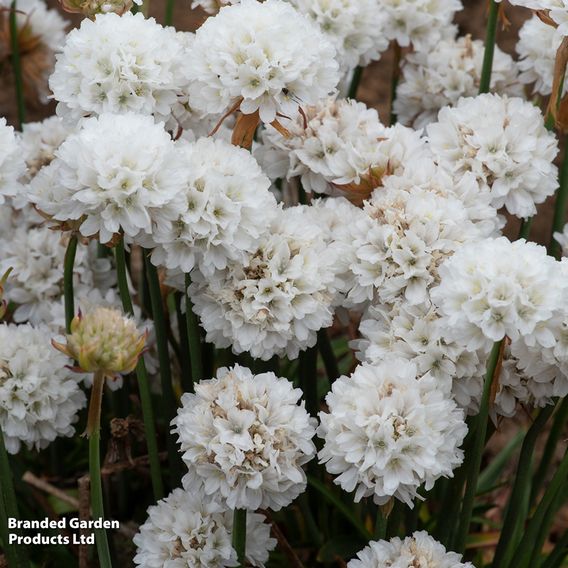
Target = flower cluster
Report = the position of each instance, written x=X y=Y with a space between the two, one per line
x=510 y=152
x=496 y=288
x=219 y=214
x=275 y=301
x=343 y=146
x=118 y=64
x=244 y=439
x=439 y=76
x=387 y=433
x=419 y=550
x=189 y=529
x=40 y=396
x=235 y=61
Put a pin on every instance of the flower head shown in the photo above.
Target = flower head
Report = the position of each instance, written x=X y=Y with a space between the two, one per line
x=439 y=76
x=417 y=551
x=92 y=7
x=104 y=340
x=275 y=300
x=113 y=175
x=191 y=529
x=496 y=288
x=387 y=433
x=244 y=439
x=40 y=395
x=510 y=151
x=263 y=57
x=118 y=64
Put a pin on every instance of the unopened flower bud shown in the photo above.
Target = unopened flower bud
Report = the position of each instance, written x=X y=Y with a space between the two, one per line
x=104 y=341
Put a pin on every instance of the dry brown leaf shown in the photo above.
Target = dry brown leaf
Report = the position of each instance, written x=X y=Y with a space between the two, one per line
x=245 y=127
x=559 y=70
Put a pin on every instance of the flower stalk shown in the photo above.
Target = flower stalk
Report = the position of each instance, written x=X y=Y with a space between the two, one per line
x=480 y=430
x=143 y=383
x=240 y=535
x=68 y=292
x=94 y=434
x=490 y=37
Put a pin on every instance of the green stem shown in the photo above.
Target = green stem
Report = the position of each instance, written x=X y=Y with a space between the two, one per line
x=477 y=449
x=240 y=535
x=355 y=81
x=490 y=36
x=550 y=448
x=169 y=18
x=560 y=206
x=69 y=262
x=165 y=369
x=397 y=53
x=15 y=554
x=535 y=534
x=513 y=518
x=525 y=230
x=17 y=65
x=309 y=379
x=380 y=525
x=94 y=434
x=193 y=337
x=143 y=383
x=328 y=356
x=559 y=553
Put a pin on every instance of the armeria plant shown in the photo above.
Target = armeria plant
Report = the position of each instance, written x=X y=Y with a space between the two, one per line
x=308 y=336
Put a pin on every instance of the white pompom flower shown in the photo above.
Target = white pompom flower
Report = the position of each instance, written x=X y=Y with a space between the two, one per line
x=537 y=47
x=40 y=396
x=276 y=301
x=420 y=23
x=510 y=151
x=343 y=147
x=189 y=529
x=439 y=76
x=245 y=439
x=219 y=214
x=112 y=175
x=12 y=165
x=496 y=288
x=417 y=551
x=263 y=57
x=118 y=64
x=387 y=433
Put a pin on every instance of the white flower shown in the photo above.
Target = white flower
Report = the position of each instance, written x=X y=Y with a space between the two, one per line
x=562 y=239
x=116 y=172
x=537 y=47
x=275 y=301
x=260 y=56
x=387 y=433
x=421 y=23
x=416 y=334
x=189 y=529
x=36 y=255
x=354 y=27
x=244 y=439
x=496 y=288
x=219 y=214
x=119 y=64
x=42 y=23
x=40 y=395
x=12 y=165
x=557 y=10
x=510 y=151
x=343 y=143
x=439 y=76
x=407 y=231
x=39 y=142
x=417 y=551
